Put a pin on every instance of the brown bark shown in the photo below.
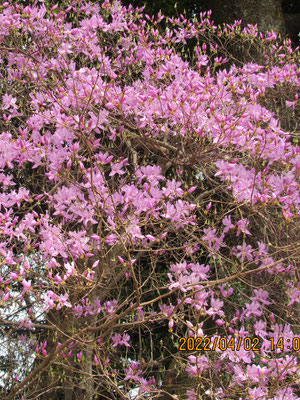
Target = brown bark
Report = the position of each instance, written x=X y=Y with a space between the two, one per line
x=293 y=26
x=267 y=14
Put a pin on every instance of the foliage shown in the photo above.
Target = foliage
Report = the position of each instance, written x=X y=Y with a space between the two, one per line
x=146 y=196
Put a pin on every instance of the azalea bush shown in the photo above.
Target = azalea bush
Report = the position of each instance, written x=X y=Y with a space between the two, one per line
x=149 y=206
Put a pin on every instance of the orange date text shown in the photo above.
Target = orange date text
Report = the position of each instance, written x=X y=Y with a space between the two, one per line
x=218 y=343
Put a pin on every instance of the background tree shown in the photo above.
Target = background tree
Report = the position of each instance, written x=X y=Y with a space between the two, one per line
x=281 y=16
x=268 y=15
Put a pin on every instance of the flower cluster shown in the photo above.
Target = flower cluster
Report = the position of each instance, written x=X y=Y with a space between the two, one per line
x=145 y=195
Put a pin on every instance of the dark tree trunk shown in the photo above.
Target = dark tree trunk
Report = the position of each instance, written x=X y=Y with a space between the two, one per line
x=267 y=14
x=293 y=26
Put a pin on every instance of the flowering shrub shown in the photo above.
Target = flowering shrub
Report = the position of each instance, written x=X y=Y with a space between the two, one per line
x=146 y=198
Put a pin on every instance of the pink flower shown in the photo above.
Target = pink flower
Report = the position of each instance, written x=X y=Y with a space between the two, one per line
x=97 y=306
x=63 y=301
x=242 y=226
x=26 y=286
x=258 y=394
x=117 y=169
x=14 y=275
x=23 y=194
x=70 y=268
x=8 y=101
x=224 y=168
x=239 y=375
x=256 y=373
x=262 y=248
x=179 y=283
x=253 y=309
x=224 y=292
x=243 y=251
x=196 y=365
x=260 y=328
x=209 y=235
x=261 y=296
x=117 y=339
x=291 y=104
x=133 y=372
x=227 y=223
x=26 y=323
x=167 y=310
x=216 y=308
x=57 y=278
x=78 y=310
x=149 y=172
x=126 y=339
x=110 y=306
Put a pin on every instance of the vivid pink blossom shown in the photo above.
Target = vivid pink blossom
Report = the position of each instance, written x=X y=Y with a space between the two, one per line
x=147 y=195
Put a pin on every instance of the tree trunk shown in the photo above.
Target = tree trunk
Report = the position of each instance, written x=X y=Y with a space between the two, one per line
x=267 y=14
x=293 y=26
